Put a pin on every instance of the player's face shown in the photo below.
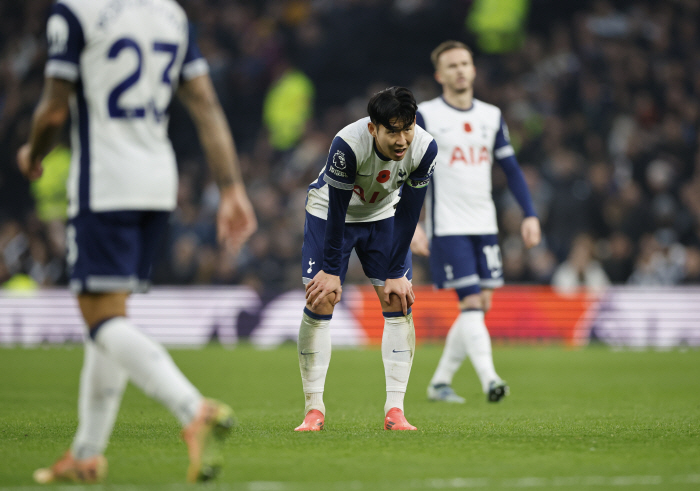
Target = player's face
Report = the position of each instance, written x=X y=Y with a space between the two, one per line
x=393 y=143
x=455 y=70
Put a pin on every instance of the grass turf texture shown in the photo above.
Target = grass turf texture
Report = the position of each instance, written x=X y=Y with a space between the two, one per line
x=574 y=418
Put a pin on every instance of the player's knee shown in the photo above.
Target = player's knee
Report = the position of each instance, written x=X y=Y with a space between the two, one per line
x=98 y=307
x=394 y=304
x=325 y=306
x=473 y=301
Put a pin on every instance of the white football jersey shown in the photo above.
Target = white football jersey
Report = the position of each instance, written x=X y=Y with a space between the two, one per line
x=459 y=200
x=126 y=58
x=354 y=164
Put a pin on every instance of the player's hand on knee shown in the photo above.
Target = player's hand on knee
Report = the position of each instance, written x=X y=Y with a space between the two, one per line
x=402 y=288
x=322 y=285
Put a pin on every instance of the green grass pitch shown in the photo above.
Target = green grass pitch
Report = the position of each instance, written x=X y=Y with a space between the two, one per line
x=576 y=419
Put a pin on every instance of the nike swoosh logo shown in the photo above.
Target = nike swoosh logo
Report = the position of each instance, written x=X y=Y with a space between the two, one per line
x=309 y=353
x=401 y=350
x=363 y=175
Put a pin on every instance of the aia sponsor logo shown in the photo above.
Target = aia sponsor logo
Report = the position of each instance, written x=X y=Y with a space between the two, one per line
x=470 y=155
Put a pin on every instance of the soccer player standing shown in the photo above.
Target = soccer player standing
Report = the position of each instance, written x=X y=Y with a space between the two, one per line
x=461 y=215
x=115 y=66
x=367 y=197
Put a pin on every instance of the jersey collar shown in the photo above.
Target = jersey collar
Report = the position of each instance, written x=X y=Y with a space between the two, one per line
x=379 y=154
x=457 y=108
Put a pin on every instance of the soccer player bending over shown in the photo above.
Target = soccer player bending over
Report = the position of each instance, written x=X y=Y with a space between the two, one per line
x=115 y=66
x=461 y=216
x=368 y=197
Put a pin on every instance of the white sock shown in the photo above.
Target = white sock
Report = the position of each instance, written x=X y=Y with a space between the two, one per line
x=102 y=384
x=149 y=366
x=398 y=347
x=314 y=357
x=452 y=356
x=393 y=399
x=478 y=346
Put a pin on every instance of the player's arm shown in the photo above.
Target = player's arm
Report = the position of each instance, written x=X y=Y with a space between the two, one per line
x=408 y=209
x=505 y=156
x=339 y=175
x=49 y=117
x=236 y=220
x=65 y=43
x=407 y=215
x=419 y=242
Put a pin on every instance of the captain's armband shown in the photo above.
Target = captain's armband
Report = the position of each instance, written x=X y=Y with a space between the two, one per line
x=418 y=183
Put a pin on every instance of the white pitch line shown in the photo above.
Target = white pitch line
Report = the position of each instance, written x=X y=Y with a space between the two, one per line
x=434 y=483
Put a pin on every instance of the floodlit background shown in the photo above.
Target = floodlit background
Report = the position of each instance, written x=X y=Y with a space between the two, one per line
x=602 y=102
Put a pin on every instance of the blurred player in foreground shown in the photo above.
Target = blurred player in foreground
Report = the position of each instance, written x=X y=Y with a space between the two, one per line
x=115 y=66
x=368 y=197
x=461 y=216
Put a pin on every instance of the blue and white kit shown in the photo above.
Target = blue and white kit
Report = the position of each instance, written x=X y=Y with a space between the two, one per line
x=126 y=59
x=365 y=201
x=461 y=215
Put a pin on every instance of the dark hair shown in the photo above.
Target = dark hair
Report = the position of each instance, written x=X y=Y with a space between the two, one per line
x=394 y=103
x=446 y=46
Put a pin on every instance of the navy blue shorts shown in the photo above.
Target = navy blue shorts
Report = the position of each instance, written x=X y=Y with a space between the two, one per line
x=466 y=263
x=113 y=251
x=372 y=242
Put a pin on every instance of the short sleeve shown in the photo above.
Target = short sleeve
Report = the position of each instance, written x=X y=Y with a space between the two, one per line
x=65 y=41
x=341 y=165
x=420 y=120
x=194 y=63
x=420 y=177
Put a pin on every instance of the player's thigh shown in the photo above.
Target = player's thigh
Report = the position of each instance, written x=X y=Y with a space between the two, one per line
x=374 y=248
x=106 y=256
x=454 y=264
x=480 y=300
x=104 y=251
x=313 y=247
x=152 y=231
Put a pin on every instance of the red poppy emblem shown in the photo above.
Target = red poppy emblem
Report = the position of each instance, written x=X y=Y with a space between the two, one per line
x=467 y=127
x=383 y=176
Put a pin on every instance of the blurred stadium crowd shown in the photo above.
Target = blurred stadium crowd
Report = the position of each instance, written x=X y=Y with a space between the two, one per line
x=602 y=99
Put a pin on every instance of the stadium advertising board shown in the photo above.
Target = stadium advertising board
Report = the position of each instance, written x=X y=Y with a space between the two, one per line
x=619 y=316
